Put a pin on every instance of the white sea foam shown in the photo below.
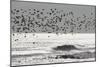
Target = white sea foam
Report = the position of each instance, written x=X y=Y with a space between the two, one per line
x=44 y=42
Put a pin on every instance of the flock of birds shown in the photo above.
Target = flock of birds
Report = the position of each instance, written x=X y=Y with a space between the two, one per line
x=52 y=21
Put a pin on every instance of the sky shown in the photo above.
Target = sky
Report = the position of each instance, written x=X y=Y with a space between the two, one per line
x=80 y=18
